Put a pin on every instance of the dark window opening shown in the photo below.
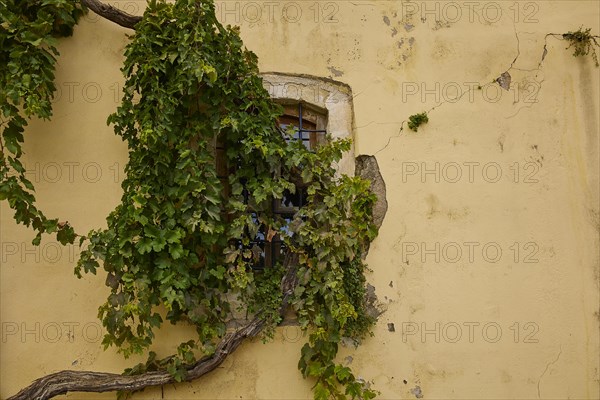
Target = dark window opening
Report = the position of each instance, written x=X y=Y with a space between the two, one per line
x=308 y=126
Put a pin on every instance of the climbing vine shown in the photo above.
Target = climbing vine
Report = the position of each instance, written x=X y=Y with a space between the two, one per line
x=28 y=40
x=182 y=237
x=179 y=245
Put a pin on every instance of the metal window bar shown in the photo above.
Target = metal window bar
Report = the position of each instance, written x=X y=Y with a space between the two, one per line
x=301 y=130
x=277 y=245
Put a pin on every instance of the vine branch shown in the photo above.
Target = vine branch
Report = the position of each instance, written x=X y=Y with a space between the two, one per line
x=112 y=14
x=63 y=382
x=85 y=381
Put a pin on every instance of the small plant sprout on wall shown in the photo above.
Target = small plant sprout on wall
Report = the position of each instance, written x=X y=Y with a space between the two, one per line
x=583 y=42
x=415 y=121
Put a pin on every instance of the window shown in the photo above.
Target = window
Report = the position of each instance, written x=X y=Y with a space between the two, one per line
x=313 y=107
x=308 y=125
x=331 y=99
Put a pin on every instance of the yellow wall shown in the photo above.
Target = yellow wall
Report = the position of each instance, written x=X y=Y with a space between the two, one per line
x=527 y=329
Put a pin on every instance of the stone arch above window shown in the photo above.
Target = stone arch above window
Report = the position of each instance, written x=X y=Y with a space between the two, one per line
x=332 y=98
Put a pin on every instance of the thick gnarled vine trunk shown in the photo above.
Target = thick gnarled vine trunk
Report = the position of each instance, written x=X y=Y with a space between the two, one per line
x=64 y=382
x=112 y=14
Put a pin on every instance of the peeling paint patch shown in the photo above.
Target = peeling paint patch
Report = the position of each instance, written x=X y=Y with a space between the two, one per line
x=440 y=25
x=391 y=327
x=408 y=27
x=501 y=140
x=417 y=392
x=386 y=20
x=335 y=72
x=504 y=80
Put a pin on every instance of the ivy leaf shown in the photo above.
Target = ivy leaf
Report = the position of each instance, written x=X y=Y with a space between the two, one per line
x=144 y=245
x=212 y=199
x=342 y=373
x=163 y=262
x=66 y=234
x=321 y=393
x=37 y=239
x=172 y=236
x=176 y=251
x=315 y=368
x=218 y=272
x=230 y=257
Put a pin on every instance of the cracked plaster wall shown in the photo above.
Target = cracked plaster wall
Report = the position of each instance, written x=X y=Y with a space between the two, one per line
x=452 y=329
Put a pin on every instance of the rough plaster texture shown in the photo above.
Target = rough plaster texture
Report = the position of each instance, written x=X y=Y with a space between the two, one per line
x=524 y=326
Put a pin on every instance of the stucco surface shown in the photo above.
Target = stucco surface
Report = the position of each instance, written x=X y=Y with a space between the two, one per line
x=487 y=262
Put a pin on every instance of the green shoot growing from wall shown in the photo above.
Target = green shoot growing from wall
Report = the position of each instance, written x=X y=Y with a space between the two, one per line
x=416 y=120
x=583 y=43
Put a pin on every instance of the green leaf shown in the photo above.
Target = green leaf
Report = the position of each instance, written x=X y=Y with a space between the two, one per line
x=37 y=239
x=342 y=372
x=163 y=263
x=172 y=236
x=65 y=234
x=218 y=272
x=321 y=393
x=144 y=245
x=176 y=251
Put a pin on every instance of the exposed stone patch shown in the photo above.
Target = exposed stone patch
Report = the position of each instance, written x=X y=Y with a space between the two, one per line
x=367 y=168
x=374 y=308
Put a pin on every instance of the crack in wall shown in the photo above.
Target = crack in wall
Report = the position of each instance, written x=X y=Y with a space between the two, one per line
x=546 y=370
x=503 y=80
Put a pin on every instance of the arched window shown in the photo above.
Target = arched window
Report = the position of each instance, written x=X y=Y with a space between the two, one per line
x=313 y=108
x=329 y=99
